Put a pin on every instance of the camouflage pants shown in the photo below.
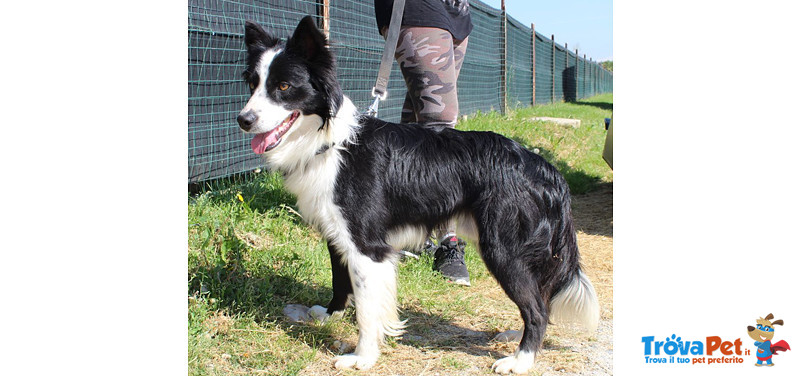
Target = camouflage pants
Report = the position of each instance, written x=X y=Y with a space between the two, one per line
x=430 y=61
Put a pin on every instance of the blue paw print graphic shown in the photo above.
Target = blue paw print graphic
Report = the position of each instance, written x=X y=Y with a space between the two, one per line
x=672 y=344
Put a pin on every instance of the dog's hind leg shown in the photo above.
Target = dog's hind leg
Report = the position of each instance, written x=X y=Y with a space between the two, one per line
x=375 y=297
x=508 y=249
x=521 y=287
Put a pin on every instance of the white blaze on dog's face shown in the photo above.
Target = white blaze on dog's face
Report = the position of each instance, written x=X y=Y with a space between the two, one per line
x=263 y=115
x=259 y=103
x=287 y=83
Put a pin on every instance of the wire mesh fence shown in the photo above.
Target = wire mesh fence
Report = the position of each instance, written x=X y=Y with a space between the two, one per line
x=507 y=65
x=519 y=64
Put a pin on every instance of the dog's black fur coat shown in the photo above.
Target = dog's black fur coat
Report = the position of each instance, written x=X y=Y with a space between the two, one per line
x=420 y=175
x=394 y=176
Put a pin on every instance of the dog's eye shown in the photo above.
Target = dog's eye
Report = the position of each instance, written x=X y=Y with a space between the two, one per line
x=252 y=86
x=283 y=86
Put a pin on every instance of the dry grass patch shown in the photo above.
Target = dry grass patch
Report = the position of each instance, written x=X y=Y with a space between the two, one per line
x=462 y=344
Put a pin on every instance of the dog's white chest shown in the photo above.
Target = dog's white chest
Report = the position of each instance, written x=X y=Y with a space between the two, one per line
x=314 y=188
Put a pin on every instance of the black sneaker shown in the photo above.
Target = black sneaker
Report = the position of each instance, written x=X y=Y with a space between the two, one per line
x=449 y=260
x=429 y=247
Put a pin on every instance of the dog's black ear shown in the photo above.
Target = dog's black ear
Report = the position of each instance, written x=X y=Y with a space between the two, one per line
x=307 y=41
x=256 y=39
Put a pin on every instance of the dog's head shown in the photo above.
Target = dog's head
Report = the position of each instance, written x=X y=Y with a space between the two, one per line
x=764 y=329
x=290 y=84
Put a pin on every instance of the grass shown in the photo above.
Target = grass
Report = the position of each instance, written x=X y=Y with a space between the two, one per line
x=249 y=254
x=575 y=151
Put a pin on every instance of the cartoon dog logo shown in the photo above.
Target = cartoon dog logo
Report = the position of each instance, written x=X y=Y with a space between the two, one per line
x=763 y=333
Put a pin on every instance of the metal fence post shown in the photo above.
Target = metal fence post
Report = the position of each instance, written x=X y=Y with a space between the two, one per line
x=584 y=76
x=564 y=81
x=592 y=75
x=533 y=64
x=553 y=68
x=504 y=59
x=577 y=76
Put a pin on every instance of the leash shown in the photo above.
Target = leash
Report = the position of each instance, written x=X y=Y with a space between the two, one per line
x=379 y=91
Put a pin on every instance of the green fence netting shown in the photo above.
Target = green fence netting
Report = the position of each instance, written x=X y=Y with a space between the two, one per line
x=479 y=83
x=559 y=66
x=544 y=69
x=358 y=47
x=519 y=64
x=503 y=56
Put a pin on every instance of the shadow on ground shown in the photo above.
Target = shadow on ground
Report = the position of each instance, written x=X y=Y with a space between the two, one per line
x=262 y=297
x=593 y=212
x=602 y=105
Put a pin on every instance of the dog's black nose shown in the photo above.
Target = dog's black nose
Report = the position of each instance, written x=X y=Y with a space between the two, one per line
x=246 y=120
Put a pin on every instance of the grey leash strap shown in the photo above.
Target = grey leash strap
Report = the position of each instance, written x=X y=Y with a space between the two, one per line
x=379 y=90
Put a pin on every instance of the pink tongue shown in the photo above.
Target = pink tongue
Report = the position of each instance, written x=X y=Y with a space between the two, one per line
x=262 y=141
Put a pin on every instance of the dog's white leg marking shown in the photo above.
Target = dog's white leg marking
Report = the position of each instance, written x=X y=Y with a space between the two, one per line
x=375 y=296
x=520 y=362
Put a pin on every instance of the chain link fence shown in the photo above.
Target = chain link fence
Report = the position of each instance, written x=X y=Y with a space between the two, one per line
x=507 y=65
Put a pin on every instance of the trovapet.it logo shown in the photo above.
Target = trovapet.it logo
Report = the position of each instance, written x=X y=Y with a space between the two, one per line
x=710 y=350
x=716 y=350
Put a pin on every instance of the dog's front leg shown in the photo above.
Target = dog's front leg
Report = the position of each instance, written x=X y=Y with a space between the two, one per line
x=342 y=286
x=342 y=289
x=375 y=297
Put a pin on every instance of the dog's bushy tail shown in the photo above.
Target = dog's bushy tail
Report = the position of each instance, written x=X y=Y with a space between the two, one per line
x=575 y=300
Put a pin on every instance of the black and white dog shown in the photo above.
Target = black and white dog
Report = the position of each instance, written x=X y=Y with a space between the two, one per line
x=371 y=187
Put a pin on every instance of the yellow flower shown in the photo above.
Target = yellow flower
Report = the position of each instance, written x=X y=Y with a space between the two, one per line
x=239 y=197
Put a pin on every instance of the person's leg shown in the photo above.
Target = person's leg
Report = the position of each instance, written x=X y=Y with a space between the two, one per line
x=407 y=115
x=427 y=60
x=459 y=51
x=430 y=62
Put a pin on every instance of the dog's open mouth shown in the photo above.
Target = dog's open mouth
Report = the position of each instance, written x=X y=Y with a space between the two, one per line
x=264 y=142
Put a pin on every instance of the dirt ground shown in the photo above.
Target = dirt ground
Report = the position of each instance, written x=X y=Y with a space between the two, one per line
x=464 y=346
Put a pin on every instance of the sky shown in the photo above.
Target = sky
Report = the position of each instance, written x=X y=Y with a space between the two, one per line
x=585 y=24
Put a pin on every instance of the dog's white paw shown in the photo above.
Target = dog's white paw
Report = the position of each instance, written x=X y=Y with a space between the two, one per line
x=353 y=361
x=301 y=313
x=519 y=363
x=319 y=313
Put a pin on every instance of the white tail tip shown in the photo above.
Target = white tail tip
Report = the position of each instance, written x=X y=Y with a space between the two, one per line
x=577 y=302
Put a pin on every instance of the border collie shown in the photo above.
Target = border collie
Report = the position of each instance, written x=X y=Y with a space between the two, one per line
x=371 y=187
